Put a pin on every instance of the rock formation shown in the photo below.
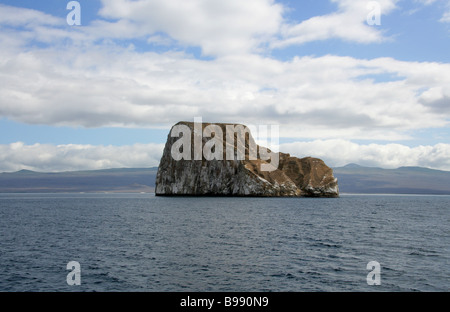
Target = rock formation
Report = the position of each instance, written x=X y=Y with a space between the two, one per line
x=204 y=175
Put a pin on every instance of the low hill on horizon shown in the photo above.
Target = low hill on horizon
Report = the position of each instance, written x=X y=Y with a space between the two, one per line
x=352 y=178
x=125 y=180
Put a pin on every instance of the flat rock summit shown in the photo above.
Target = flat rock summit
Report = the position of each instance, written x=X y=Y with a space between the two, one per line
x=204 y=159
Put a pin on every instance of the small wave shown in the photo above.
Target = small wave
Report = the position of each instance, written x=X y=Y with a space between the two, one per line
x=423 y=254
x=328 y=245
x=284 y=275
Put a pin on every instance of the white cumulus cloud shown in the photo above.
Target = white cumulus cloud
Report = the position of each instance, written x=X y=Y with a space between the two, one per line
x=312 y=97
x=340 y=152
x=349 y=23
x=335 y=153
x=218 y=27
x=68 y=157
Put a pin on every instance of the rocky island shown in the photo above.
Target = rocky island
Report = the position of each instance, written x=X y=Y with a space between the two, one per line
x=230 y=163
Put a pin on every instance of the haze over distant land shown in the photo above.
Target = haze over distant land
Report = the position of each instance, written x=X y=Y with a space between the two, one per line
x=404 y=180
x=108 y=180
x=351 y=178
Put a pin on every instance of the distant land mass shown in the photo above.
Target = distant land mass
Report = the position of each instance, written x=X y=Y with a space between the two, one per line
x=134 y=180
x=352 y=178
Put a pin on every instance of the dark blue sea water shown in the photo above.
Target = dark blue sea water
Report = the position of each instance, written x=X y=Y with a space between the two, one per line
x=139 y=242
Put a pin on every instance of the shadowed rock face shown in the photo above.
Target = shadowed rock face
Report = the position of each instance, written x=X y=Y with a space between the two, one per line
x=294 y=177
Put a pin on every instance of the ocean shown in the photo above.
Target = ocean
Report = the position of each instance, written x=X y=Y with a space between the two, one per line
x=143 y=243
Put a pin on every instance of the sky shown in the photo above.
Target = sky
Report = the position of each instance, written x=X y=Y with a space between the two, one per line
x=347 y=81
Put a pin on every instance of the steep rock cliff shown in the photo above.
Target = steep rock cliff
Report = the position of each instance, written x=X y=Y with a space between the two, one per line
x=309 y=177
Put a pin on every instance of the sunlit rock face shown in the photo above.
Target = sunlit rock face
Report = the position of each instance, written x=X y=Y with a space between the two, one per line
x=200 y=162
